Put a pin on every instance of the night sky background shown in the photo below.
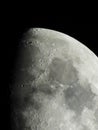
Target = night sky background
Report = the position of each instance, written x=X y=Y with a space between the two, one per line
x=18 y=23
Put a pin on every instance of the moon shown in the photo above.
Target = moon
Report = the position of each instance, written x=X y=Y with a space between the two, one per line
x=54 y=84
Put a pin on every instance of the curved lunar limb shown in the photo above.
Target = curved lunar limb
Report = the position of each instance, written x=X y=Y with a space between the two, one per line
x=55 y=83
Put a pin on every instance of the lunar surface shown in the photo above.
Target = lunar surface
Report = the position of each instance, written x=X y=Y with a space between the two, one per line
x=55 y=83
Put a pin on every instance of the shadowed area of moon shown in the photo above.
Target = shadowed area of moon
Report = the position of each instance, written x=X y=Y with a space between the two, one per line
x=54 y=84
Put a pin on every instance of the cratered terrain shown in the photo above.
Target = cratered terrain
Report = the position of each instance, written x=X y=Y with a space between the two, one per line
x=55 y=83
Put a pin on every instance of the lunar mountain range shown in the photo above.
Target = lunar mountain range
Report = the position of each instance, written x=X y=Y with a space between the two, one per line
x=55 y=83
